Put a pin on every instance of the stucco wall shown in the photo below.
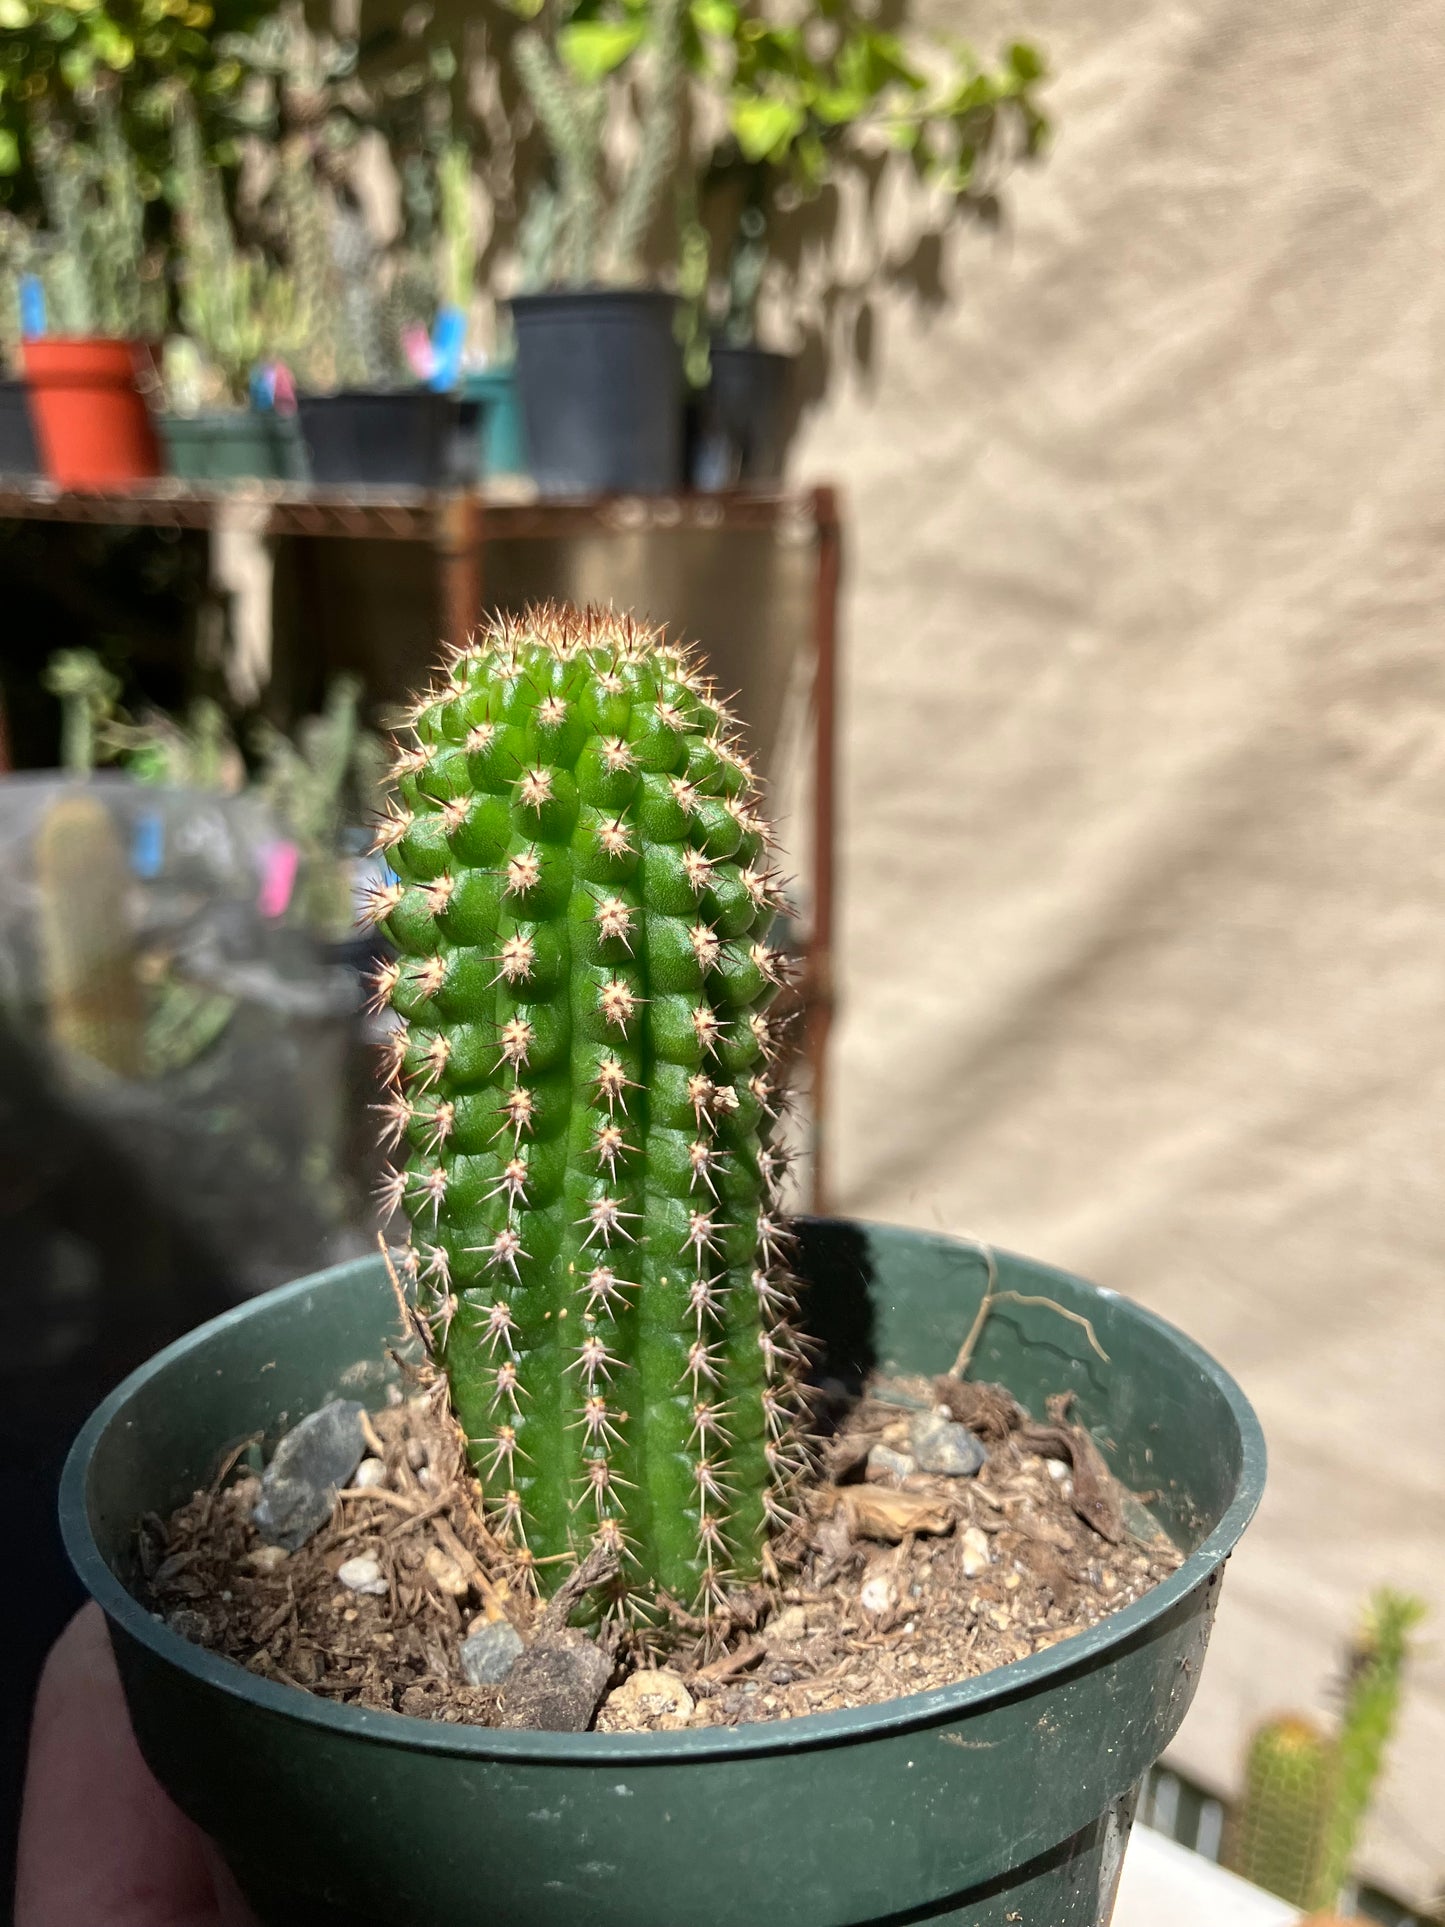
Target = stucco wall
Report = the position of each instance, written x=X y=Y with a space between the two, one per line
x=1143 y=824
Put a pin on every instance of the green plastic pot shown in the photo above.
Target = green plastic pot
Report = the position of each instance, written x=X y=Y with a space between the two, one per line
x=1003 y=1800
x=503 y=443
x=235 y=446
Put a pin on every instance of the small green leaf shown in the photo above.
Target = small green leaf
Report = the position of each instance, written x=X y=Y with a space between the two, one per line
x=9 y=152
x=765 y=126
x=1026 y=61
x=839 y=106
x=719 y=17
x=593 y=49
x=14 y=14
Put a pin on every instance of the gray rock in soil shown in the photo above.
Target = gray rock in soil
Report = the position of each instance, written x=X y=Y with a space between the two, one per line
x=556 y=1685
x=884 y=1461
x=489 y=1654
x=299 y=1486
x=942 y=1445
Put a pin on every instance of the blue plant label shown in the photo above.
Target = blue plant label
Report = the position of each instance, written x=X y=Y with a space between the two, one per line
x=448 y=338
x=32 y=306
x=148 y=847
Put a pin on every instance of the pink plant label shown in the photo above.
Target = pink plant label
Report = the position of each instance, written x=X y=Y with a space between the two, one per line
x=279 y=863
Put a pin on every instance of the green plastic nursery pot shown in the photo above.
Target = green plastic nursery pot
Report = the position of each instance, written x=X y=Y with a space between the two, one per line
x=1006 y=1799
x=239 y=445
x=504 y=445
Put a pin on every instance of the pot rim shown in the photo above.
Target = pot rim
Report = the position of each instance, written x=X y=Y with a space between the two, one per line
x=852 y=1725
x=589 y=295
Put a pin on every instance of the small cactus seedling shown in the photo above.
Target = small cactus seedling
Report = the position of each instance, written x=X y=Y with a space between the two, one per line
x=582 y=1100
x=1307 y=1792
x=94 y=1011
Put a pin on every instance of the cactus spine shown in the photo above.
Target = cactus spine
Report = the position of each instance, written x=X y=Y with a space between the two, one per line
x=582 y=1099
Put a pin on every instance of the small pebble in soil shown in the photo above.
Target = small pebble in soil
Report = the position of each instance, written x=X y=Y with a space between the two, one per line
x=884 y=1462
x=490 y=1653
x=314 y=1459
x=556 y=1684
x=940 y=1444
x=361 y=1574
x=976 y=1555
x=446 y=1572
x=652 y=1693
x=267 y=1558
x=369 y=1473
x=791 y=1623
x=878 y=1595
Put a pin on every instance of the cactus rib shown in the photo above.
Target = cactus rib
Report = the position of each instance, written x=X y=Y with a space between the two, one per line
x=582 y=1099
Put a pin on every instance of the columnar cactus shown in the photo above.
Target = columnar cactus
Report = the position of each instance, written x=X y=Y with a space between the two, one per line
x=583 y=1104
x=1307 y=1793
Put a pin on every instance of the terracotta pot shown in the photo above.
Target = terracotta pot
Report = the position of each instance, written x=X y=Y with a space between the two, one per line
x=87 y=398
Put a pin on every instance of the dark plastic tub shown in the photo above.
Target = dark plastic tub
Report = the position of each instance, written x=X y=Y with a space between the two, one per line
x=740 y=429
x=19 y=456
x=599 y=371
x=378 y=438
x=1005 y=1799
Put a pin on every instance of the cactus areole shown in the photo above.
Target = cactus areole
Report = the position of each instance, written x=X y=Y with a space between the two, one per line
x=582 y=1102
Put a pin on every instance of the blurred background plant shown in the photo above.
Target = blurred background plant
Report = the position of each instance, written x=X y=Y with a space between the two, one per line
x=588 y=222
x=56 y=56
x=101 y=276
x=235 y=305
x=321 y=785
x=1307 y=1788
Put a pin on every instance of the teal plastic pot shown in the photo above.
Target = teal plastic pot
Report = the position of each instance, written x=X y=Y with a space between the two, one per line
x=237 y=445
x=1003 y=1800
x=504 y=444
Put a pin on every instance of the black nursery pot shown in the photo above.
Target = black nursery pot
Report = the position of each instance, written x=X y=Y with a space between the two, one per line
x=599 y=371
x=1004 y=1799
x=739 y=431
x=19 y=456
x=377 y=438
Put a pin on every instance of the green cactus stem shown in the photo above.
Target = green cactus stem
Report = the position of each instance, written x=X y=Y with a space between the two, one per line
x=1306 y=1792
x=1278 y=1829
x=94 y=1009
x=582 y=1100
x=1372 y=1706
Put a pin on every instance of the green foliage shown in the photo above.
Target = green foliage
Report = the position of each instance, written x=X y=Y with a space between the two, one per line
x=57 y=56
x=1307 y=1793
x=582 y=1100
x=805 y=106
